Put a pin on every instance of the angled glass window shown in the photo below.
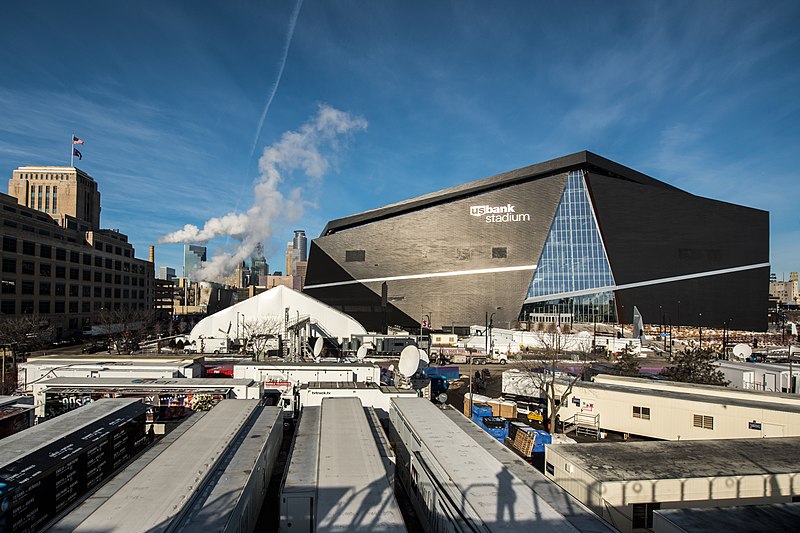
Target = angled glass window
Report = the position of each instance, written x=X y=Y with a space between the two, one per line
x=573 y=258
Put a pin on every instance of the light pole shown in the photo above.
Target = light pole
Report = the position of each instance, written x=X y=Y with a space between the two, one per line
x=700 y=323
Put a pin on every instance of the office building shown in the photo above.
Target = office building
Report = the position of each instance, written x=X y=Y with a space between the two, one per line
x=56 y=262
x=580 y=234
x=166 y=273
x=193 y=257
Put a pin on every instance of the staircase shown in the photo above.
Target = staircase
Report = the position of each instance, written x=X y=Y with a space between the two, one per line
x=583 y=424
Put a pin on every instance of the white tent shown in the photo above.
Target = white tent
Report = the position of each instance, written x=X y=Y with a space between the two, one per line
x=276 y=304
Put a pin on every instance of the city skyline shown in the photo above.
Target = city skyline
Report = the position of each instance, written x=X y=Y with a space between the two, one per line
x=177 y=104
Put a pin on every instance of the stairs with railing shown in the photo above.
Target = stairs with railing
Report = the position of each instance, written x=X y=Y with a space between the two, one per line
x=584 y=424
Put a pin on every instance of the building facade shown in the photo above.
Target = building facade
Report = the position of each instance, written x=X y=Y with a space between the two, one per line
x=579 y=234
x=193 y=257
x=62 y=267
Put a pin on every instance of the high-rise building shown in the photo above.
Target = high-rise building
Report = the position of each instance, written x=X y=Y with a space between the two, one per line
x=56 y=262
x=300 y=244
x=193 y=256
x=166 y=273
x=258 y=265
x=67 y=194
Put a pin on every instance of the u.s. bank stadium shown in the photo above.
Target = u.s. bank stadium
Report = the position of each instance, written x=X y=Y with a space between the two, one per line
x=579 y=235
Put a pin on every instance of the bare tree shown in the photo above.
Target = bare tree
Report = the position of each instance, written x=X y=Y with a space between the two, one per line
x=20 y=335
x=257 y=333
x=124 y=328
x=543 y=367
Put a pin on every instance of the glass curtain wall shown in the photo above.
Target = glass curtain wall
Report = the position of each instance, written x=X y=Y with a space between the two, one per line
x=573 y=261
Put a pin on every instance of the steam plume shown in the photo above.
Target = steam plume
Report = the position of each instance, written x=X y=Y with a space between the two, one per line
x=303 y=150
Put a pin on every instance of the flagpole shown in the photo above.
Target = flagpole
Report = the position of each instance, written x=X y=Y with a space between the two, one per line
x=72 y=150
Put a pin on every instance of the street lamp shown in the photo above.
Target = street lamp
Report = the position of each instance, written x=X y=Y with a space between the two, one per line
x=700 y=323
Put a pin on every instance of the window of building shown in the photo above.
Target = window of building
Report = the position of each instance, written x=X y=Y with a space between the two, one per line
x=44 y=288
x=45 y=270
x=74 y=273
x=29 y=268
x=109 y=264
x=9 y=286
x=355 y=256
x=703 y=421
x=117 y=279
x=86 y=275
x=127 y=253
x=107 y=292
x=73 y=290
x=26 y=307
x=44 y=232
x=86 y=290
x=74 y=257
x=141 y=295
x=109 y=248
x=45 y=251
x=9 y=223
x=87 y=259
x=59 y=307
x=28 y=247
x=107 y=277
x=9 y=265
x=98 y=245
x=28 y=287
x=98 y=277
x=98 y=292
x=44 y=307
x=117 y=265
x=499 y=253
x=126 y=280
x=9 y=244
x=61 y=271
x=641 y=412
x=61 y=289
x=55 y=199
x=8 y=307
x=86 y=307
x=126 y=267
x=61 y=254
x=98 y=261
x=73 y=307
x=642 y=516
x=117 y=293
x=126 y=293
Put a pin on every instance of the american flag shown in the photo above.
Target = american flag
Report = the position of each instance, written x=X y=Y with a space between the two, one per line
x=76 y=140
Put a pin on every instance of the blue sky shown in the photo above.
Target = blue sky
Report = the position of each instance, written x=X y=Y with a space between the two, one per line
x=169 y=98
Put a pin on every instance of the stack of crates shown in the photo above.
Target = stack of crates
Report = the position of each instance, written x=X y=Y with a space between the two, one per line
x=480 y=410
x=496 y=426
x=526 y=440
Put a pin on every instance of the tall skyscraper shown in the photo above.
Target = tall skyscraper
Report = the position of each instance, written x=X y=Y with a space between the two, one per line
x=300 y=244
x=67 y=194
x=166 y=273
x=193 y=256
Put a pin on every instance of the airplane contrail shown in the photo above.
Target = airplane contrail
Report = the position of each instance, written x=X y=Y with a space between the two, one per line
x=292 y=23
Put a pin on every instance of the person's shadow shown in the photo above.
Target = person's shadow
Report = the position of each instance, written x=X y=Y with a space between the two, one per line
x=505 y=495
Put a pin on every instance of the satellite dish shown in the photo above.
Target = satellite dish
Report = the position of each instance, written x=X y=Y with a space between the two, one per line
x=442 y=398
x=318 y=344
x=409 y=361
x=361 y=353
x=742 y=351
x=423 y=358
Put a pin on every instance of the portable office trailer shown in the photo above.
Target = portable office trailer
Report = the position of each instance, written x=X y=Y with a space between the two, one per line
x=298 y=500
x=371 y=394
x=455 y=485
x=47 y=468
x=164 y=490
x=781 y=398
x=353 y=490
x=760 y=376
x=625 y=482
x=55 y=396
x=673 y=414
x=110 y=366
